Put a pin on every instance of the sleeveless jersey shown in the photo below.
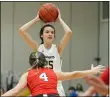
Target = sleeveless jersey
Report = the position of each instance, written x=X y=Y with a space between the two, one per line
x=52 y=56
x=42 y=81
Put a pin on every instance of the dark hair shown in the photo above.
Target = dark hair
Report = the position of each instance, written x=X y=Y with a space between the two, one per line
x=71 y=88
x=37 y=59
x=79 y=87
x=32 y=58
x=42 y=30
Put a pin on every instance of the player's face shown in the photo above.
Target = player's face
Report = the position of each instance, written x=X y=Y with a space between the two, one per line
x=48 y=34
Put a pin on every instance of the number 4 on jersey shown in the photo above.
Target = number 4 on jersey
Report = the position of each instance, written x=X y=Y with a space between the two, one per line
x=44 y=77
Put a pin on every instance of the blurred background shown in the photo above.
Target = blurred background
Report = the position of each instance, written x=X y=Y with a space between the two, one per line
x=89 y=42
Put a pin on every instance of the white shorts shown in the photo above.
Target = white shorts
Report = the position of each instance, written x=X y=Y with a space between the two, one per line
x=60 y=89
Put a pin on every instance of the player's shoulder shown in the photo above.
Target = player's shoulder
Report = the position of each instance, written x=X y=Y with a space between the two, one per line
x=24 y=75
x=31 y=70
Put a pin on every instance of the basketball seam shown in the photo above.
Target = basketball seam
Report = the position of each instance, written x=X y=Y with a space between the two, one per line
x=42 y=17
x=49 y=13
x=54 y=7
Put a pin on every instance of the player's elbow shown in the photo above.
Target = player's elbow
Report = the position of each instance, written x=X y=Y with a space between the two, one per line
x=70 y=32
x=21 y=30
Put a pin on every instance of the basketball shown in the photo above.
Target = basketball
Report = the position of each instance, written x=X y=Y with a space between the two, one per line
x=48 y=12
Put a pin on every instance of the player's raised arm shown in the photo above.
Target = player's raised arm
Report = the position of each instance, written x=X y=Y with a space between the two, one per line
x=23 y=31
x=66 y=37
x=19 y=87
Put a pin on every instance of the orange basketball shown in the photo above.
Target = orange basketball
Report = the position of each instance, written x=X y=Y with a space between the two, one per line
x=48 y=12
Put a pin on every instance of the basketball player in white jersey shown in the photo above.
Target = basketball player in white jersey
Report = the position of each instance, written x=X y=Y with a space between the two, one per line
x=47 y=35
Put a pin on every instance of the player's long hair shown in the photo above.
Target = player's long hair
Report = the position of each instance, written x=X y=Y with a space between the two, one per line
x=37 y=59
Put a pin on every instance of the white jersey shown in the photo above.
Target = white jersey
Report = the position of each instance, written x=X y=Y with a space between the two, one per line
x=53 y=58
